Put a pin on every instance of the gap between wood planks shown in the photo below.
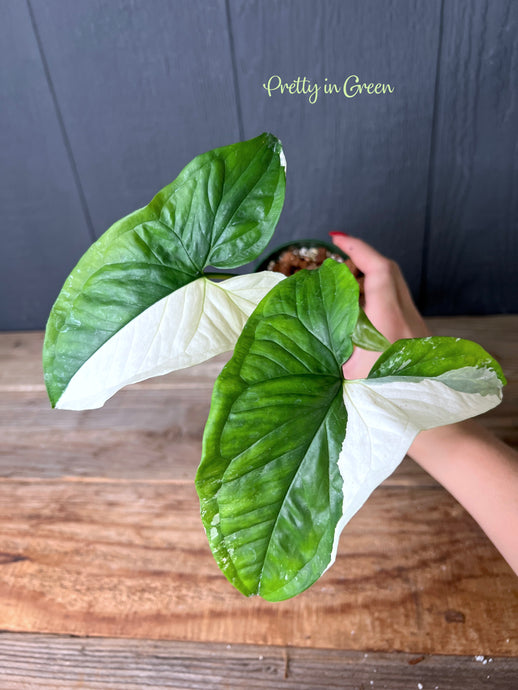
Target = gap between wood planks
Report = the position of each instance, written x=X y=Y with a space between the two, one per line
x=60 y=661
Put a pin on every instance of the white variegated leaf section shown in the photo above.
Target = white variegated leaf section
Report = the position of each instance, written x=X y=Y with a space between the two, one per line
x=385 y=415
x=193 y=324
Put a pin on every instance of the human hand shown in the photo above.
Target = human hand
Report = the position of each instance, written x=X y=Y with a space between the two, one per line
x=388 y=302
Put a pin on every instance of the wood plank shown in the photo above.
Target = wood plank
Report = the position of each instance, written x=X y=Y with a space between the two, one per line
x=473 y=244
x=38 y=194
x=143 y=88
x=130 y=559
x=153 y=429
x=163 y=454
x=355 y=164
x=125 y=454
x=105 y=453
x=61 y=662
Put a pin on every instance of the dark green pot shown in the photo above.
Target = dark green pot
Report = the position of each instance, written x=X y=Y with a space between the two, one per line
x=297 y=244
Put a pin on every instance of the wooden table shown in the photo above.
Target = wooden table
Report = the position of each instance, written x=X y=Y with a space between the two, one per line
x=107 y=580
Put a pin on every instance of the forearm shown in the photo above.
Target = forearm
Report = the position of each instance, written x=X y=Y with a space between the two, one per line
x=481 y=472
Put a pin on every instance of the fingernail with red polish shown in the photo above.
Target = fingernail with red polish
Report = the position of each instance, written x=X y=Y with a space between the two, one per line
x=334 y=233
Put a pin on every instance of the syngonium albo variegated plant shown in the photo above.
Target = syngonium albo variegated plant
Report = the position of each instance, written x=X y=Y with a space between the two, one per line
x=291 y=449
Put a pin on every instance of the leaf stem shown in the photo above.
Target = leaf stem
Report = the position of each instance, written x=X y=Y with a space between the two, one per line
x=218 y=276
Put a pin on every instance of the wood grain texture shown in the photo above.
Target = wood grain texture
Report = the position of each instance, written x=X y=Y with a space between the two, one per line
x=131 y=560
x=38 y=195
x=354 y=164
x=152 y=429
x=143 y=88
x=100 y=531
x=473 y=243
x=44 y=661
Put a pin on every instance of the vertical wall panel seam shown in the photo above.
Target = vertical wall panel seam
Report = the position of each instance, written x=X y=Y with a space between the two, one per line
x=423 y=288
x=237 y=93
x=61 y=124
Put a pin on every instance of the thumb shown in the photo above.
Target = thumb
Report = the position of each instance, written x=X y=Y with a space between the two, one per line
x=381 y=296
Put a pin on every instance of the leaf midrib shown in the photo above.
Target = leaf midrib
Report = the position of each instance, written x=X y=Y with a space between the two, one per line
x=322 y=421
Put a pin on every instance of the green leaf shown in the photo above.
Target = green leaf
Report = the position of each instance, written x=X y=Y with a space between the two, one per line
x=435 y=356
x=268 y=482
x=221 y=211
x=367 y=336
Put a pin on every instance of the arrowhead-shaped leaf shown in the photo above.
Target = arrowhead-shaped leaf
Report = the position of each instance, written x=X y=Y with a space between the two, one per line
x=220 y=211
x=279 y=476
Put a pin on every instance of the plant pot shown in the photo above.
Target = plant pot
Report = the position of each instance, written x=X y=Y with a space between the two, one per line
x=290 y=257
x=299 y=254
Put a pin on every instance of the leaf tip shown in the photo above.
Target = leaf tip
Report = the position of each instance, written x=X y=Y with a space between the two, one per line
x=272 y=141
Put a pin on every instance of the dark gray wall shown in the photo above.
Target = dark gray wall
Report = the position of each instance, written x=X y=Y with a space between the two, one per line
x=104 y=101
